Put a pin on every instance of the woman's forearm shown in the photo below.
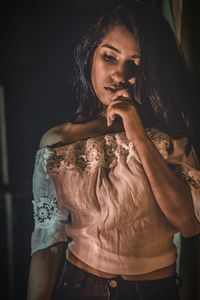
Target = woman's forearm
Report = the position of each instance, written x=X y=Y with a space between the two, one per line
x=44 y=271
x=171 y=193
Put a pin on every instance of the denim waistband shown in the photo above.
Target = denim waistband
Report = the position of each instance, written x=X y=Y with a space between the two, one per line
x=76 y=283
x=77 y=273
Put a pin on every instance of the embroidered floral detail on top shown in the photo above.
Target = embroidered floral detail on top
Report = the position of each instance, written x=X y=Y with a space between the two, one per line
x=161 y=140
x=105 y=151
x=190 y=175
x=45 y=209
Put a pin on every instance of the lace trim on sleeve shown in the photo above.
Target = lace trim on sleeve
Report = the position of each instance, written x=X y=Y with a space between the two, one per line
x=49 y=221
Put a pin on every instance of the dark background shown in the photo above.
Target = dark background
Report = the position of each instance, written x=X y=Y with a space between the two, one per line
x=37 y=39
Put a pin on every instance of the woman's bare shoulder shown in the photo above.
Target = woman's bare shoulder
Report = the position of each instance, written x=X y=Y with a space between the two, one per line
x=55 y=135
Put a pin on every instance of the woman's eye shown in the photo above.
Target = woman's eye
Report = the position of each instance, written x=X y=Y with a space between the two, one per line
x=109 y=58
x=132 y=68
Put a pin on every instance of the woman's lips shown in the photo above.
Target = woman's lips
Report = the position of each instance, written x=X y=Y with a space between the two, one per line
x=112 y=88
x=119 y=91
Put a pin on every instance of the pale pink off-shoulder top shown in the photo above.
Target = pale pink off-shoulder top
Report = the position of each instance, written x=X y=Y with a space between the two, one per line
x=115 y=224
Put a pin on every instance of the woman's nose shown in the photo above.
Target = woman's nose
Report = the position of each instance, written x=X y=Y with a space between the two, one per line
x=118 y=77
x=123 y=73
x=119 y=73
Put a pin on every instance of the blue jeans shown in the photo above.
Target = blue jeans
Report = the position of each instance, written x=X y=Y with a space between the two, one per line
x=77 y=284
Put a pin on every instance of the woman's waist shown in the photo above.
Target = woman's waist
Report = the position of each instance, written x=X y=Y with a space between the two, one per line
x=164 y=272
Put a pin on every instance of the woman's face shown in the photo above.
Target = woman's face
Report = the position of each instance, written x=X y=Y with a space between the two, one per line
x=114 y=64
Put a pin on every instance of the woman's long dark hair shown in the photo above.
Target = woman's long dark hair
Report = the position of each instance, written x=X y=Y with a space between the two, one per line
x=163 y=82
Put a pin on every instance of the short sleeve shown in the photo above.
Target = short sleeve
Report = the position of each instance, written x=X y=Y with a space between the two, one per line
x=49 y=221
x=187 y=167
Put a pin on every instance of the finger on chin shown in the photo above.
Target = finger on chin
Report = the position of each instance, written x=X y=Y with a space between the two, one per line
x=123 y=93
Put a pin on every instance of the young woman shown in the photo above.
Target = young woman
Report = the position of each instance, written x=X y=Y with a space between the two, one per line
x=120 y=179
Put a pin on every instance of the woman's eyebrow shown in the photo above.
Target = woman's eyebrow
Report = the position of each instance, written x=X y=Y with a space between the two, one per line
x=111 y=47
x=118 y=51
